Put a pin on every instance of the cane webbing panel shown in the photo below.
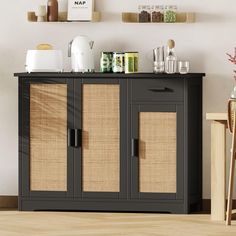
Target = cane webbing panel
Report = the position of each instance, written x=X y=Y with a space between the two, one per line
x=157 y=150
x=101 y=138
x=48 y=137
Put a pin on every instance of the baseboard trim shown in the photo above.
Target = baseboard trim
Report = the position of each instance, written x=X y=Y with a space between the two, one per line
x=8 y=202
x=12 y=202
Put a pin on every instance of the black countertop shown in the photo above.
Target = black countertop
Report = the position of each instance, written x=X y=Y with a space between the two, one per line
x=106 y=75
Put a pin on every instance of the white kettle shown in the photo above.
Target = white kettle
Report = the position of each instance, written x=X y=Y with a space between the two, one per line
x=81 y=53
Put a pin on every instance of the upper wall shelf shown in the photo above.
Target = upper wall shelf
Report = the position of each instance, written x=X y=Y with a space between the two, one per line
x=181 y=17
x=63 y=18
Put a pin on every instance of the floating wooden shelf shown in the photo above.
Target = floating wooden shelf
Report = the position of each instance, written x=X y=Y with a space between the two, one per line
x=182 y=17
x=62 y=17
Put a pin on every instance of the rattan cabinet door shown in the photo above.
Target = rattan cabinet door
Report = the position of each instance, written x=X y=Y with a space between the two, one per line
x=157 y=151
x=100 y=164
x=47 y=159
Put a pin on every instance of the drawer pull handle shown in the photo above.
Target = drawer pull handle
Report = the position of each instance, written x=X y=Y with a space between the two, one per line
x=134 y=147
x=161 y=90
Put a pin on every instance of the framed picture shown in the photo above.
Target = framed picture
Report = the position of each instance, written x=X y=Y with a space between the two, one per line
x=80 y=10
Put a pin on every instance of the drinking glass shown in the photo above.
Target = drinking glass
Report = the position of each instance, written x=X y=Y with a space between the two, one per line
x=183 y=67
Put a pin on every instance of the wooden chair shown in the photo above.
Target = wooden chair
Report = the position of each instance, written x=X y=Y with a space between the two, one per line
x=232 y=129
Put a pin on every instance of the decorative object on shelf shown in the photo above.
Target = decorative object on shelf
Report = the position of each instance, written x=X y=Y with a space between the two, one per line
x=170 y=14
x=52 y=10
x=131 y=62
x=183 y=67
x=106 y=62
x=118 y=62
x=80 y=10
x=181 y=17
x=171 y=58
x=41 y=13
x=144 y=13
x=232 y=59
x=158 y=59
x=62 y=16
x=31 y=16
x=157 y=13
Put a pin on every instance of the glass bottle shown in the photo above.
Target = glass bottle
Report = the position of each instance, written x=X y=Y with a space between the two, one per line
x=171 y=58
x=233 y=93
x=52 y=10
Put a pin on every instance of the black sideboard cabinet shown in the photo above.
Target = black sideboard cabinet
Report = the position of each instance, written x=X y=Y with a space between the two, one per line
x=110 y=142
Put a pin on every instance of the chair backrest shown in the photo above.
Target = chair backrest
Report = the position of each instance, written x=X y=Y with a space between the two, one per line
x=231 y=114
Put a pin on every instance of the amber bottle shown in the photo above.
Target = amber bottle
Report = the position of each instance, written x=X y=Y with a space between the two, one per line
x=52 y=10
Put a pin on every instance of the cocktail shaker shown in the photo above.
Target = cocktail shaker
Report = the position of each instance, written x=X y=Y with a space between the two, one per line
x=159 y=61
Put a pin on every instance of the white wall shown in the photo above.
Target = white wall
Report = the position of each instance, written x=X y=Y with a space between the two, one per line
x=203 y=43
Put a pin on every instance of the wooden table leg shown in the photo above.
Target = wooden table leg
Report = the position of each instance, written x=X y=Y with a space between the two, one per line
x=218 y=172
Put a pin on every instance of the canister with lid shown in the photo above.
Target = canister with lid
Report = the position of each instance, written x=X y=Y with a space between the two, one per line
x=118 y=62
x=131 y=62
x=106 y=62
x=170 y=14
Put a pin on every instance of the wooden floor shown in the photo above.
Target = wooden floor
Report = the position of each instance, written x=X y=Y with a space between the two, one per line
x=14 y=223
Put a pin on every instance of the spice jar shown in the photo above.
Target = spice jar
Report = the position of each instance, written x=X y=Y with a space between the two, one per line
x=170 y=14
x=157 y=13
x=52 y=10
x=144 y=13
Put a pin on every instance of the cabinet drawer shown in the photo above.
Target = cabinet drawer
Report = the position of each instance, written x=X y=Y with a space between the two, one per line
x=157 y=90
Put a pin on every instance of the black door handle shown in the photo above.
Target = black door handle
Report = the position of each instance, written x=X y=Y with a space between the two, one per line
x=78 y=138
x=134 y=147
x=161 y=90
x=74 y=138
x=71 y=137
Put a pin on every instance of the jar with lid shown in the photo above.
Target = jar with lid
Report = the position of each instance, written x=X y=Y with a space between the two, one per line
x=144 y=13
x=52 y=10
x=118 y=62
x=158 y=13
x=170 y=14
x=106 y=62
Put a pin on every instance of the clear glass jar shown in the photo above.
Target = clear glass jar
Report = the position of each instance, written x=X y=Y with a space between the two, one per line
x=170 y=14
x=171 y=58
x=233 y=93
x=144 y=13
x=157 y=13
